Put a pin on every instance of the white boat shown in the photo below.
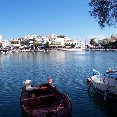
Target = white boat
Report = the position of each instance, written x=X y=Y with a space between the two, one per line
x=72 y=49
x=104 y=84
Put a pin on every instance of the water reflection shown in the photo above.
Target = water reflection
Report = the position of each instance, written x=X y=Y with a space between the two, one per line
x=69 y=71
x=108 y=107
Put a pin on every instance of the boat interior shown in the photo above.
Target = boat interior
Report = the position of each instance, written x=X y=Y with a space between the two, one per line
x=39 y=92
x=41 y=97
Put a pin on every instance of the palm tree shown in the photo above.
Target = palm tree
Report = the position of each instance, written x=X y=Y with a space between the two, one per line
x=93 y=42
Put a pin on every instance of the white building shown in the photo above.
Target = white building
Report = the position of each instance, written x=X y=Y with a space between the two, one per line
x=15 y=43
x=52 y=39
x=44 y=39
x=56 y=41
x=33 y=39
x=5 y=43
x=78 y=44
x=29 y=37
x=59 y=42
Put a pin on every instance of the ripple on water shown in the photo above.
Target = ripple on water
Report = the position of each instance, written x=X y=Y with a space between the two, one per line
x=68 y=71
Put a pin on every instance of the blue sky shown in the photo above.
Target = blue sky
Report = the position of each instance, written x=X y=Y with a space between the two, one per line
x=43 y=17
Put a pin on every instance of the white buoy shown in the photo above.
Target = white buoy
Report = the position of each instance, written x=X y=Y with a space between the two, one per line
x=50 y=81
x=27 y=84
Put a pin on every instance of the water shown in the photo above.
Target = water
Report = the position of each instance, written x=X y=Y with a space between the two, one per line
x=69 y=71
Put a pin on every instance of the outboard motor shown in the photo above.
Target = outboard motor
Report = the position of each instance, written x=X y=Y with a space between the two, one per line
x=27 y=84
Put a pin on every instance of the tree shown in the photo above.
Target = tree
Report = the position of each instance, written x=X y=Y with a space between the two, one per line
x=61 y=36
x=93 y=42
x=105 y=43
x=35 y=44
x=72 y=45
x=105 y=11
x=46 y=45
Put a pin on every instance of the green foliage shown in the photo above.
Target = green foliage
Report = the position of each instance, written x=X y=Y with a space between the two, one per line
x=93 y=42
x=105 y=12
x=46 y=45
x=67 y=44
x=105 y=42
x=72 y=45
x=0 y=46
x=113 y=45
x=61 y=36
x=36 y=44
x=109 y=45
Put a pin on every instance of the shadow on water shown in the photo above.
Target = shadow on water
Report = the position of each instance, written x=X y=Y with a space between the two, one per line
x=108 y=107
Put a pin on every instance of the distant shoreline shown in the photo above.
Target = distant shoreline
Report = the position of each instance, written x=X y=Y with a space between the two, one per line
x=4 y=51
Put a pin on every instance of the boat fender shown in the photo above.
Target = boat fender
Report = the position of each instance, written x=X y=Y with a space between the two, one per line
x=88 y=80
x=88 y=84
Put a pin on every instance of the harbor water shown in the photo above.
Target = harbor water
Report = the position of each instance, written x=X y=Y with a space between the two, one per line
x=68 y=70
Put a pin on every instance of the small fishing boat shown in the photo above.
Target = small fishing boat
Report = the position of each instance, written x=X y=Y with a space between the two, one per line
x=104 y=84
x=44 y=100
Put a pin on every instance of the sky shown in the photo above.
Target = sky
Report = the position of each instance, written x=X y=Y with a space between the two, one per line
x=44 y=17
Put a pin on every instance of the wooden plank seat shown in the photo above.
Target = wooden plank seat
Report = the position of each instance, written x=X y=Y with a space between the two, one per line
x=46 y=100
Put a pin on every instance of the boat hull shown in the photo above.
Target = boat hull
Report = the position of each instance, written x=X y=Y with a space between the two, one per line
x=72 y=49
x=54 y=104
x=102 y=86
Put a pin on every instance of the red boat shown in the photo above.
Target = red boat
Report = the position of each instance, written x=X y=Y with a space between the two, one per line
x=44 y=101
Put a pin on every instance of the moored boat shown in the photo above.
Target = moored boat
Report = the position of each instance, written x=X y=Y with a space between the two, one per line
x=72 y=49
x=44 y=100
x=105 y=84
